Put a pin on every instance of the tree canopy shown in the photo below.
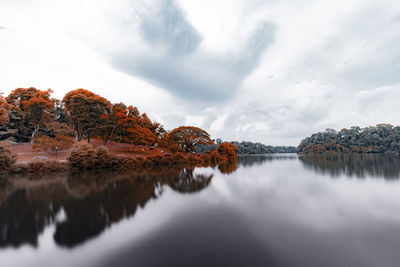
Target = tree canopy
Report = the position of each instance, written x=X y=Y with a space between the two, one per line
x=84 y=110
x=187 y=137
x=34 y=104
x=28 y=114
x=374 y=139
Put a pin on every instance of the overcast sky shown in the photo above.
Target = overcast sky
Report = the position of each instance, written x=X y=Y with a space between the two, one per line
x=272 y=71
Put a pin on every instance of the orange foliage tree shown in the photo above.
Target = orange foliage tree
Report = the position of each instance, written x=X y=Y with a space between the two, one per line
x=228 y=151
x=125 y=124
x=64 y=129
x=4 y=118
x=84 y=110
x=139 y=135
x=19 y=95
x=187 y=137
x=35 y=104
x=112 y=123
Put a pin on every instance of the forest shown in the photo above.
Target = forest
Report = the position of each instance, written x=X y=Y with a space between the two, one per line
x=381 y=138
x=248 y=148
x=84 y=123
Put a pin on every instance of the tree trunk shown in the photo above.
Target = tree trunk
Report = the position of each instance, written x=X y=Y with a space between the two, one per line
x=36 y=129
x=79 y=134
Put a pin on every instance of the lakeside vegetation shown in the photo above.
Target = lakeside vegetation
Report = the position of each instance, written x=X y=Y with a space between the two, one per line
x=357 y=165
x=381 y=138
x=248 y=148
x=84 y=123
x=251 y=148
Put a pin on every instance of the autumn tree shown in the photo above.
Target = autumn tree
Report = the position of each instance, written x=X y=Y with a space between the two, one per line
x=139 y=135
x=57 y=128
x=4 y=117
x=19 y=95
x=38 y=109
x=127 y=125
x=34 y=104
x=113 y=122
x=156 y=128
x=84 y=110
x=187 y=137
x=228 y=151
x=166 y=142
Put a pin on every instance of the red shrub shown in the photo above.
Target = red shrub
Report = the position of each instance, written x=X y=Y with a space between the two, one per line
x=7 y=158
x=228 y=151
x=49 y=166
x=82 y=156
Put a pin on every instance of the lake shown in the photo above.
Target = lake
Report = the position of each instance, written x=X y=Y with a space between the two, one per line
x=273 y=210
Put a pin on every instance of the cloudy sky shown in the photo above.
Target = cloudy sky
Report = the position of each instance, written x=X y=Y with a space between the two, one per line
x=272 y=71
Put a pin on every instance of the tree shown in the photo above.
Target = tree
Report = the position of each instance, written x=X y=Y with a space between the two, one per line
x=34 y=104
x=155 y=127
x=4 y=117
x=187 y=137
x=112 y=123
x=228 y=151
x=38 y=109
x=19 y=95
x=58 y=128
x=139 y=135
x=84 y=110
x=374 y=139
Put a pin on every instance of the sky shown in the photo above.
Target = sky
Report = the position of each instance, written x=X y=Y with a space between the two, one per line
x=258 y=70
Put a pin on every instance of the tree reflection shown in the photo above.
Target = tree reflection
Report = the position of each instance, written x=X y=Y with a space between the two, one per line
x=91 y=202
x=188 y=182
x=252 y=160
x=228 y=167
x=358 y=165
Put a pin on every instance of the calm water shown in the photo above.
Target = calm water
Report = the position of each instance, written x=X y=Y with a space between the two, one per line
x=279 y=210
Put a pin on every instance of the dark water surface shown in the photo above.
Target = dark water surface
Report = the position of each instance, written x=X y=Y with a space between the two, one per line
x=276 y=210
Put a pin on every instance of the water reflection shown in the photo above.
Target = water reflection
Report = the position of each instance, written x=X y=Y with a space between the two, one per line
x=89 y=203
x=274 y=210
x=252 y=160
x=354 y=165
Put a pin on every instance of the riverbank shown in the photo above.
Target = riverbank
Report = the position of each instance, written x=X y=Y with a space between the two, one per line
x=23 y=159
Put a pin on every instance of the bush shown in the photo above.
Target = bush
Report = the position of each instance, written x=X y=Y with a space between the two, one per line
x=227 y=152
x=82 y=156
x=7 y=158
x=48 y=144
x=48 y=166
x=103 y=157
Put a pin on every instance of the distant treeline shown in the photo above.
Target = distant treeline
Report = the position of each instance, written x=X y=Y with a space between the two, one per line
x=354 y=165
x=246 y=148
x=374 y=139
